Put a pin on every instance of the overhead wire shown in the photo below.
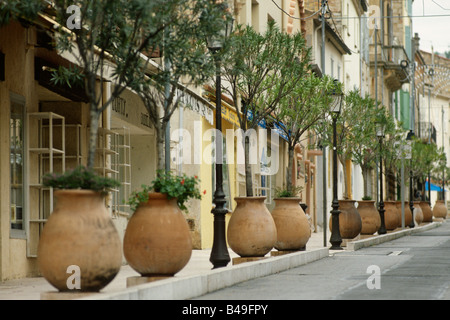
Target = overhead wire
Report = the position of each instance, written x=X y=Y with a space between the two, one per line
x=293 y=17
x=357 y=17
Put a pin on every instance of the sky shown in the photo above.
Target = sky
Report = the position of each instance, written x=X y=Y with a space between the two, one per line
x=434 y=32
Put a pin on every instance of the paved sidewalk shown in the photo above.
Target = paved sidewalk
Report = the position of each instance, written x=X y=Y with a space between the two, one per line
x=197 y=277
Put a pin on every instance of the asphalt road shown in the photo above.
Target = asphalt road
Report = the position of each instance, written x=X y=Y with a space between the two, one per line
x=415 y=267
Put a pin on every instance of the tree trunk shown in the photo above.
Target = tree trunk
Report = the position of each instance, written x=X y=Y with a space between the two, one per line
x=248 y=168
x=344 y=169
x=93 y=132
x=160 y=145
x=289 y=183
x=366 y=181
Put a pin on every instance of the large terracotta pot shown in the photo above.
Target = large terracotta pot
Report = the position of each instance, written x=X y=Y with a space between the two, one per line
x=426 y=210
x=251 y=229
x=408 y=216
x=350 y=223
x=439 y=209
x=418 y=214
x=293 y=230
x=157 y=240
x=79 y=234
x=391 y=216
x=370 y=217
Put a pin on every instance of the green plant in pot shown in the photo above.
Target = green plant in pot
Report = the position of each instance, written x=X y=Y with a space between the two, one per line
x=179 y=187
x=80 y=178
x=157 y=241
x=79 y=232
x=290 y=192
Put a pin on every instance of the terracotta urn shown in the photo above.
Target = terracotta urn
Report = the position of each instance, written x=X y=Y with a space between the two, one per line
x=79 y=236
x=157 y=241
x=391 y=216
x=350 y=223
x=408 y=216
x=293 y=229
x=426 y=210
x=370 y=217
x=439 y=209
x=418 y=214
x=251 y=230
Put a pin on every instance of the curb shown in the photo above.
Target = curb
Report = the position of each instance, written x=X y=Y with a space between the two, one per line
x=359 y=244
x=195 y=286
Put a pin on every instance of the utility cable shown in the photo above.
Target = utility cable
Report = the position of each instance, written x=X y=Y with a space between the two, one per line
x=290 y=16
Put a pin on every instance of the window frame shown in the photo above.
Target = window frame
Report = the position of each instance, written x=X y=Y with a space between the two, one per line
x=19 y=233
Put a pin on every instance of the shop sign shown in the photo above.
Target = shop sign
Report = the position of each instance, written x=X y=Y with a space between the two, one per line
x=196 y=104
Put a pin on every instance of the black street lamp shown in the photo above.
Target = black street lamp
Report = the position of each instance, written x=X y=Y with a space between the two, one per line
x=381 y=210
x=335 y=238
x=219 y=254
x=409 y=138
x=431 y=74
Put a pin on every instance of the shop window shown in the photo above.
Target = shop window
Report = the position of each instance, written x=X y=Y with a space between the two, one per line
x=264 y=183
x=17 y=162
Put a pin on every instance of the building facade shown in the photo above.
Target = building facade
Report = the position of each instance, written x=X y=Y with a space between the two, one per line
x=44 y=127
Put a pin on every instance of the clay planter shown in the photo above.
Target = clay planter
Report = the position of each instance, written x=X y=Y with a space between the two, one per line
x=391 y=216
x=157 y=240
x=79 y=234
x=408 y=216
x=350 y=223
x=293 y=230
x=251 y=230
x=439 y=209
x=426 y=210
x=370 y=217
x=418 y=214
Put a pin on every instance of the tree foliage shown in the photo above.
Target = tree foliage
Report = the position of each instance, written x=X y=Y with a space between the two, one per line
x=262 y=69
x=112 y=40
x=185 y=61
x=307 y=104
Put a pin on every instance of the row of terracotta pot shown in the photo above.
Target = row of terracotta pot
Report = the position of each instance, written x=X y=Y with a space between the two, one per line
x=253 y=231
x=80 y=235
x=157 y=242
x=365 y=219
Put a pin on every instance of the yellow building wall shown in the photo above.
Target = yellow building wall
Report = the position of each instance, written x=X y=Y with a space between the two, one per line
x=207 y=218
x=348 y=165
x=19 y=73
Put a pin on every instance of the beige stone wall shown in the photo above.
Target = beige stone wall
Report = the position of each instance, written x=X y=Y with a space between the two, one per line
x=16 y=43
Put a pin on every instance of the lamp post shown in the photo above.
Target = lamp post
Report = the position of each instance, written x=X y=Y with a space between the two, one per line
x=219 y=254
x=381 y=211
x=431 y=74
x=335 y=238
x=405 y=65
x=409 y=138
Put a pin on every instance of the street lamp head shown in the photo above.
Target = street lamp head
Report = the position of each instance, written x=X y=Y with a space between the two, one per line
x=216 y=41
x=380 y=127
x=404 y=64
x=410 y=135
x=416 y=41
x=337 y=95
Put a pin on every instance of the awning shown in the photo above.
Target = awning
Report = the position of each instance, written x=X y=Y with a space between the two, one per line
x=434 y=187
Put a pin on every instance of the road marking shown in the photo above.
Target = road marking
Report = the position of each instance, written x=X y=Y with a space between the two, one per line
x=395 y=253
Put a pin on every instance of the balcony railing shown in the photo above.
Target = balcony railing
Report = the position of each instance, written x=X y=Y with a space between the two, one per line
x=395 y=54
x=388 y=55
x=390 y=58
